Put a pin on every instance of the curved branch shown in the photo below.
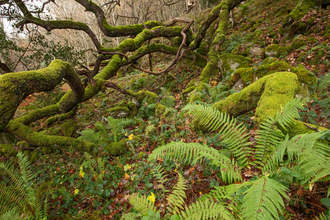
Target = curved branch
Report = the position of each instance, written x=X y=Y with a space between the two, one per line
x=37 y=139
x=213 y=15
x=111 y=31
x=15 y=87
x=178 y=55
x=51 y=25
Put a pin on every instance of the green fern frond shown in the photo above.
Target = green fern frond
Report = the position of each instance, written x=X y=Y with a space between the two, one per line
x=149 y=129
x=175 y=199
x=206 y=210
x=289 y=113
x=313 y=155
x=270 y=136
x=272 y=162
x=234 y=136
x=159 y=173
x=263 y=200
x=228 y=168
x=130 y=216
x=19 y=195
x=141 y=204
x=193 y=152
x=322 y=217
x=232 y=204
x=324 y=82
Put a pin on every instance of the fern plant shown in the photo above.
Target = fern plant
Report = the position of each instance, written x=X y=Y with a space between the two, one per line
x=20 y=199
x=263 y=197
x=146 y=110
x=95 y=166
x=102 y=136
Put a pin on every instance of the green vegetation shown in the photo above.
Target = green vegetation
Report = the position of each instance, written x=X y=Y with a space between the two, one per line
x=221 y=118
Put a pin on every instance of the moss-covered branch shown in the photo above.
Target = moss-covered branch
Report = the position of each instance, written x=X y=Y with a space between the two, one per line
x=115 y=31
x=213 y=53
x=14 y=87
x=37 y=139
x=51 y=25
x=213 y=15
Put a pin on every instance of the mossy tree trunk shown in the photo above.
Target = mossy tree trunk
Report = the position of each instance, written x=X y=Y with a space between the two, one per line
x=14 y=87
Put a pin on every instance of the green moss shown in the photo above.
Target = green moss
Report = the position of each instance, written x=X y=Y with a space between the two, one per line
x=68 y=128
x=248 y=75
x=298 y=28
x=298 y=42
x=51 y=131
x=141 y=155
x=326 y=33
x=119 y=112
x=265 y=95
x=298 y=12
x=230 y=62
x=268 y=60
x=185 y=93
x=15 y=87
x=116 y=148
x=279 y=90
x=240 y=50
x=276 y=50
x=160 y=109
x=7 y=150
x=38 y=139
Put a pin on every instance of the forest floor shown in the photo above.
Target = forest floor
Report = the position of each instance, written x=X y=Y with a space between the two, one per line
x=103 y=193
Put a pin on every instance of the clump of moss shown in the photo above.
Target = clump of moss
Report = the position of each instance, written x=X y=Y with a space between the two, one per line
x=265 y=95
x=249 y=75
x=68 y=128
x=276 y=50
x=326 y=33
x=7 y=150
x=298 y=42
x=231 y=62
x=116 y=148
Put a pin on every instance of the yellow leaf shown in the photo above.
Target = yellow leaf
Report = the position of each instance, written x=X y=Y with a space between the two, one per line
x=127 y=167
x=126 y=176
x=76 y=191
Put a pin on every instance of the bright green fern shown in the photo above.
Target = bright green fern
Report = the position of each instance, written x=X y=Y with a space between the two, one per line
x=20 y=197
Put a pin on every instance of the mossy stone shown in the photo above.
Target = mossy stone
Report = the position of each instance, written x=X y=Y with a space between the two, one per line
x=276 y=50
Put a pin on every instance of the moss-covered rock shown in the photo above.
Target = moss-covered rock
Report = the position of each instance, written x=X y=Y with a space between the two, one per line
x=124 y=109
x=160 y=109
x=298 y=12
x=298 y=42
x=307 y=80
x=119 y=112
x=326 y=33
x=230 y=62
x=269 y=60
x=298 y=28
x=276 y=50
x=266 y=95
